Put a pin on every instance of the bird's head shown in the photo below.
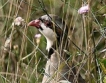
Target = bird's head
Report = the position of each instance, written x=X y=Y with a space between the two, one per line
x=45 y=24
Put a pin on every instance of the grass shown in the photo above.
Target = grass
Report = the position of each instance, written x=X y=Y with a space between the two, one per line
x=22 y=60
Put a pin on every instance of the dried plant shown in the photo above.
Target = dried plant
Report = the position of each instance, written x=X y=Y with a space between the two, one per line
x=23 y=55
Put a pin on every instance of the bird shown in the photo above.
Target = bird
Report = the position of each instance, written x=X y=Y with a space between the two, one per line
x=54 y=30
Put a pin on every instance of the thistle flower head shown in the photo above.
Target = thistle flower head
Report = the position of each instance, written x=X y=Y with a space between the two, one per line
x=18 y=21
x=84 y=9
x=38 y=36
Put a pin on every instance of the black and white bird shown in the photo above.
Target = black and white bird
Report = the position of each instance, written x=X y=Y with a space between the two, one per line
x=54 y=30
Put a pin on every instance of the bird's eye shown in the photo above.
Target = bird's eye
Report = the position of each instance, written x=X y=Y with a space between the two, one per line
x=41 y=19
x=48 y=23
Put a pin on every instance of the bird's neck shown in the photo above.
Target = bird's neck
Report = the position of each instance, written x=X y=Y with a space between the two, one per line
x=49 y=44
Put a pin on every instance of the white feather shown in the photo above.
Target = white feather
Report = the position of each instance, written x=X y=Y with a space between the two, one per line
x=49 y=35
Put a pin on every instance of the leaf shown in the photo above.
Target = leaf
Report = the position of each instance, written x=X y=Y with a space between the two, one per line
x=103 y=65
x=104 y=80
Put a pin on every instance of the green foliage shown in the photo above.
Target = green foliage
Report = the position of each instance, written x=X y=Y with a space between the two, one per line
x=104 y=80
x=103 y=65
x=23 y=62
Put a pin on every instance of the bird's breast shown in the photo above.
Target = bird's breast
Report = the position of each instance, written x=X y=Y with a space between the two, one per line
x=48 y=33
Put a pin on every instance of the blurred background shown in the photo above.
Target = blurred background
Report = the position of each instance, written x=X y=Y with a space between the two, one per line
x=22 y=59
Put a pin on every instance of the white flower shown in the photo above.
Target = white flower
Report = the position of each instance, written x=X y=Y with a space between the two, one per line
x=18 y=21
x=7 y=44
x=38 y=36
x=104 y=14
x=84 y=9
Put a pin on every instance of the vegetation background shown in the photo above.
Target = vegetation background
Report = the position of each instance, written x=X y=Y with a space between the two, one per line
x=22 y=60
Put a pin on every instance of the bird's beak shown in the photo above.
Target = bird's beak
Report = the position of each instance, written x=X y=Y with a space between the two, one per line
x=34 y=23
x=31 y=23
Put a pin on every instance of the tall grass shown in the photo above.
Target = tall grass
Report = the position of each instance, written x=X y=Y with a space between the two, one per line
x=22 y=60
